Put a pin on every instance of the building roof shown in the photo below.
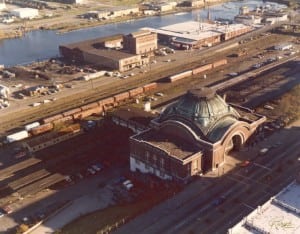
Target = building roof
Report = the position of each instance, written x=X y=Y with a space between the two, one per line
x=140 y=33
x=279 y=215
x=111 y=54
x=204 y=111
x=92 y=43
x=173 y=146
x=194 y=30
x=134 y=115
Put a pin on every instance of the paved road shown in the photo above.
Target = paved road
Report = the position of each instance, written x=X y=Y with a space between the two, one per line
x=194 y=212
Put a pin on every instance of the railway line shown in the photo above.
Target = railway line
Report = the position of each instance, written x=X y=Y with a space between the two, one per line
x=35 y=178
x=51 y=166
x=198 y=58
x=239 y=189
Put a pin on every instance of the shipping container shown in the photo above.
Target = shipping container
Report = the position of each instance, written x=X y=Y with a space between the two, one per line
x=52 y=118
x=219 y=63
x=71 y=112
x=149 y=86
x=31 y=125
x=87 y=113
x=180 y=76
x=17 y=136
x=67 y=119
x=106 y=102
x=41 y=129
x=135 y=92
x=121 y=96
x=89 y=106
x=202 y=68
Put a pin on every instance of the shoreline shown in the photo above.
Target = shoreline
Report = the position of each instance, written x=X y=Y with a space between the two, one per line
x=60 y=28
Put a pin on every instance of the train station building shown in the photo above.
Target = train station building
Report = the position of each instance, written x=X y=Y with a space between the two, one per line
x=191 y=136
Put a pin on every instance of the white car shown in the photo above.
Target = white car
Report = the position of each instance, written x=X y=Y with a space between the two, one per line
x=91 y=171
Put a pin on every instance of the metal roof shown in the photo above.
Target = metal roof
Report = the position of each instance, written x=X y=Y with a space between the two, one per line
x=204 y=110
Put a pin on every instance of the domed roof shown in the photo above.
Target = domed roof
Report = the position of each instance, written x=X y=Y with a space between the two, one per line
x=201 y=109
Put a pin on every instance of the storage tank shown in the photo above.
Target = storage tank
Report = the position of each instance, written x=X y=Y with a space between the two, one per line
x=17 y=136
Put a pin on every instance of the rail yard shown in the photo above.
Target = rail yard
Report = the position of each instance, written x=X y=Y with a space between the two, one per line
x=258 y=78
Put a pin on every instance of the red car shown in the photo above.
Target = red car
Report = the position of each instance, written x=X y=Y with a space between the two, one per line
x=245 y=163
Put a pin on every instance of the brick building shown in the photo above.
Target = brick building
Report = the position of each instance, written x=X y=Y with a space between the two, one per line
x=141 y=42
x=191 y=136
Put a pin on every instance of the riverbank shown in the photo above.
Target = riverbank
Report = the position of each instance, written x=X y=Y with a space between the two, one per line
x=70 y=22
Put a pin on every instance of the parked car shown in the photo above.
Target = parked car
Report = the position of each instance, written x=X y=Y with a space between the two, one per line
x=91 y=171
x=97 y=167
x=218 y=201
x=128 y=184
x=7 y=209
x=245 y=163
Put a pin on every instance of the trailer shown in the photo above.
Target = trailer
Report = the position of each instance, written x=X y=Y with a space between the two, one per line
x=52 y=118
x=202 y=68
x=121 y=97
x=41 y=129
x=17 y=136
x=136 y=91
x=150 y=86
x=31 y=125
x=89 y=106
x=71 y=112
x=180 y=76
x=219 y=63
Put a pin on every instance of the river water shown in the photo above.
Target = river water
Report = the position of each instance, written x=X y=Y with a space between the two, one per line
x=43 y=44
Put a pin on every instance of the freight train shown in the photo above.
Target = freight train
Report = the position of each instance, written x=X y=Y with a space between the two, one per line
x=197 y=70
x=78 y=113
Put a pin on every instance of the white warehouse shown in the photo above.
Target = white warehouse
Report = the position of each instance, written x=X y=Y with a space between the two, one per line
x=2 y=5
x=25 y=13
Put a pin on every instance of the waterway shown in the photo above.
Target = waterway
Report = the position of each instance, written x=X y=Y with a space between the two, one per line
x=43 y=44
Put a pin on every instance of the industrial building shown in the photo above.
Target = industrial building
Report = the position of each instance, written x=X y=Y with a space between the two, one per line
x=278 y=215
x=191 y=136
x=2 y=5
x=25 y=13
x=193 y=34
x=260 y=15
x=117 y=52
x=141 y=42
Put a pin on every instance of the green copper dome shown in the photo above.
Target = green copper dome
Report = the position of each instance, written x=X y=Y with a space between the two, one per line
x=202 y=110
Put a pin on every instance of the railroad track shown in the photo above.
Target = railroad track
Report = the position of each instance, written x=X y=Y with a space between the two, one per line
x=31 y=115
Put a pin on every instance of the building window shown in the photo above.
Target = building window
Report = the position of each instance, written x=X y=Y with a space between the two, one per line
x=162 y=163
x=154 y=158
x=147 y=155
